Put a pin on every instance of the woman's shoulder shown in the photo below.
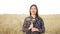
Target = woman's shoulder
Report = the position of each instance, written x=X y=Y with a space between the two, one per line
x=40 y=18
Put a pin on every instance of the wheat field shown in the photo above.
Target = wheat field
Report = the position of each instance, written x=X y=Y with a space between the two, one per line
x=12 y=23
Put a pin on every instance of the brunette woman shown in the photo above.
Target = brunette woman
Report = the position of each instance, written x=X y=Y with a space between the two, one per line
x=33 y=24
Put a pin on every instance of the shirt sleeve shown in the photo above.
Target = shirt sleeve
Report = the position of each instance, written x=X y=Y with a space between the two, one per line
x=25 y=25
x=42 y=28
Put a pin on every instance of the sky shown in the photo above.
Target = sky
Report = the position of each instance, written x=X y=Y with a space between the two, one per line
x=22 y=6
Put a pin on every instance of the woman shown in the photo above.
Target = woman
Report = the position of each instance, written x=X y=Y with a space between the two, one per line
x=33 y=24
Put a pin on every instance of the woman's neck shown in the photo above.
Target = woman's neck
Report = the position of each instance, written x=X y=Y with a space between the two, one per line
x=33 y=16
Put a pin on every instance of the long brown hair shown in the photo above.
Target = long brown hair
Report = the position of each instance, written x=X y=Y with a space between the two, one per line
x=36 y=9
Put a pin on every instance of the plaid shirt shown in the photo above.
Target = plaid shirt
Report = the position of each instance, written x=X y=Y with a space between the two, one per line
x=37 y=23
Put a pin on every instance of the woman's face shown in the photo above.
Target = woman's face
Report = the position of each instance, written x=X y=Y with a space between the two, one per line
x=33 y=10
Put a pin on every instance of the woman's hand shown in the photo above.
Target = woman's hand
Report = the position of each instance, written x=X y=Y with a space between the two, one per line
x=31 y=26
x=34 y=29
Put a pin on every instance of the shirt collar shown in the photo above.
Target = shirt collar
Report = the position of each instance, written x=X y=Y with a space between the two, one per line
x=32 y=17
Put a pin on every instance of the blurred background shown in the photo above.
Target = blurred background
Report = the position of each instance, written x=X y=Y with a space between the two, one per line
x=13 y=13
x=22 y=6
x=12 y=23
